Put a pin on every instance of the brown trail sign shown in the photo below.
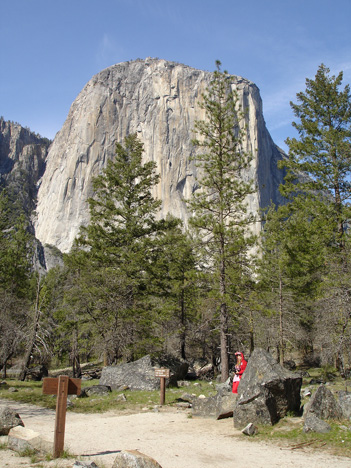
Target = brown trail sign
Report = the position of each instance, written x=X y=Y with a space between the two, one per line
x=61 y=387
x=163 y=374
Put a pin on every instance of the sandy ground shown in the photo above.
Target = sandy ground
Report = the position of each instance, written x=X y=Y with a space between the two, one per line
x=171 y=437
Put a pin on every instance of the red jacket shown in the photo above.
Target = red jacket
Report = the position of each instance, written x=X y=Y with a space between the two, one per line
x=238 y=374
x=243 y=365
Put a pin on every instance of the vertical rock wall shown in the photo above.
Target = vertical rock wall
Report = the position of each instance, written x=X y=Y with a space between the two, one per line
x=160 y=101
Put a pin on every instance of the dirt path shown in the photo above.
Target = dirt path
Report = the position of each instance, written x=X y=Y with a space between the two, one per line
x=170 y=437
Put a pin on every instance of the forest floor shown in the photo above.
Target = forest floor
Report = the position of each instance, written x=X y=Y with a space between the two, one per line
x=171 y=436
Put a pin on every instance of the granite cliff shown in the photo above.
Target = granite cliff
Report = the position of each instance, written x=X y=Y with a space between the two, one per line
x=160 y=101
x=22 y=161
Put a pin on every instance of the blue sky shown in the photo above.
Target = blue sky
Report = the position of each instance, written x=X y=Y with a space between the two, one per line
x=51 y=48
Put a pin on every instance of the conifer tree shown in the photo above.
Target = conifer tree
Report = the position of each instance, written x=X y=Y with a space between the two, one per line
x=175 y=284
x=120 y=239
x=291 y=270
x=320 y=158
x=15 y=278
x=318 y=180
x=220 y=214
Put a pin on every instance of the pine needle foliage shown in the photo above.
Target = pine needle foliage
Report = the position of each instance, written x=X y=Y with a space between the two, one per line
x=220 y=214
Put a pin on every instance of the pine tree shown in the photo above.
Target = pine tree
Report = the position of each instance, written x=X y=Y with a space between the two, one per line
x=321 y=155
x=291 y=270
x=318 y=177
x=120 y=239
x=220 y=215
x=175 y=285
x=15 y=278
x=15 y=248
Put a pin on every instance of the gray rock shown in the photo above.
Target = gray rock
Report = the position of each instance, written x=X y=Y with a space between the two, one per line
x=137 y=375
x=345 y=428
x=267 y=391
x=219 y=406
x=323 y=405
x=250 y=430
x=140 y=375
x=134 y=459
x=102 y=390
x=314 y=424
x=178 y=368
x=159 y=100
x=12 y=389
x=317 y=381
x=121 y=397
x=183 y=404
x=290 y=365
x=122 y=388
x=225 y=387
x=186 y=397
x=183 y=383
x=205 y=372
x=83 y=464
x=8 y=419
x=37 y=373
x=21 y=439
x=345 y=403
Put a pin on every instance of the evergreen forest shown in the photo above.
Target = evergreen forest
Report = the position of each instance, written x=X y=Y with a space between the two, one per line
x=134 y=284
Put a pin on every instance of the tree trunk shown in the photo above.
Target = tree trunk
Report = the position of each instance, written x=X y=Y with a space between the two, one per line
x=182 y=322
x=281 y=326
x=76 y=369
x=223 y=322
x=338 y=202
x=32 y=337
x=252 y=334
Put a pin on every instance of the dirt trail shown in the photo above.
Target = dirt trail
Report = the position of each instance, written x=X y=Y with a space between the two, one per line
x=171 y=437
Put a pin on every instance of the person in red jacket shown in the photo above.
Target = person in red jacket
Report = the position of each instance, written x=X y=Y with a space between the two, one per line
x=240 y=366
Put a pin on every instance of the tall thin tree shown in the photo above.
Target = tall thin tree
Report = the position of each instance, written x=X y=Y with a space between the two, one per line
x=220 y=214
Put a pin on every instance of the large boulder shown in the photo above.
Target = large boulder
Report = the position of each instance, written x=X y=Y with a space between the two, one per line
x=134 y=459
x=219 y=406
x=266 y=392
x=21 y=439
x=140 y=375
x=178 y=368
x=8 y=419
x=323 y=405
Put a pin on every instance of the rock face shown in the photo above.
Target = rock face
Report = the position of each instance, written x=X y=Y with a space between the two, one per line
x=22 y=164
x=22 y=160
x=266 y=392
x=160 y=101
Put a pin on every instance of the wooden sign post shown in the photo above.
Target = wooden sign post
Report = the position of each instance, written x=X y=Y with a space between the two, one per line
x=163 y=374
x=61 y=387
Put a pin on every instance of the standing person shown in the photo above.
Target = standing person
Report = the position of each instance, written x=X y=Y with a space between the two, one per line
x=240 y=366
